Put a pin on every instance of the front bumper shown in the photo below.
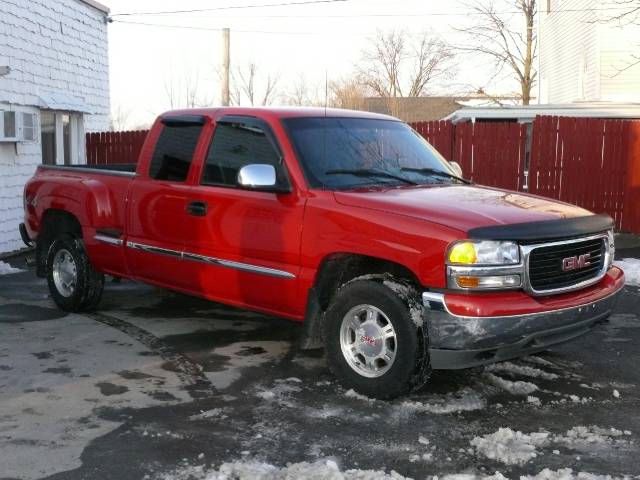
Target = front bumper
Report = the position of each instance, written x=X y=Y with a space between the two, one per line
x=463 y=341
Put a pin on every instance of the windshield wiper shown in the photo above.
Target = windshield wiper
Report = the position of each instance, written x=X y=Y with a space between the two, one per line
x=435 y=171
x=370 y=172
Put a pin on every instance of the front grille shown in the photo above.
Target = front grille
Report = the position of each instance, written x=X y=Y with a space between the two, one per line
x=545 y=264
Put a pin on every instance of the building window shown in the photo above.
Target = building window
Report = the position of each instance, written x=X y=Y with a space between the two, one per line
x=48 y=137
x=61 y=135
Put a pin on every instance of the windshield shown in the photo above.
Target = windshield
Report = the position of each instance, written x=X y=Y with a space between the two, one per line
x=343 y=153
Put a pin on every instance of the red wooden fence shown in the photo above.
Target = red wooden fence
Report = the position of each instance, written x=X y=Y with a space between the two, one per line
x=491 y=153
x=593 y=163
x=438 y=133
x=107 y=148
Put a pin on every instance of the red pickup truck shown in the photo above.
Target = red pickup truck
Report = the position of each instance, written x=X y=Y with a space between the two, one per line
x=347 y=221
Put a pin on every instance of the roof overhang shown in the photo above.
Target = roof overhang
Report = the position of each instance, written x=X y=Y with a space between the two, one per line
x=529 y=112
x=63 y=102
x=96 y=5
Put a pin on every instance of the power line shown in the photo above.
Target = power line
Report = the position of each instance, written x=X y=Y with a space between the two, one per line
x=232 y=7
x=211 y=29
x=364 y=15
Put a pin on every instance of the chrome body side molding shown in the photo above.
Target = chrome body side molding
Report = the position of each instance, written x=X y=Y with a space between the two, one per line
x=194 y=257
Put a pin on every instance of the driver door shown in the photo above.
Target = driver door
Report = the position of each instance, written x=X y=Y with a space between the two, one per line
x=246 y=242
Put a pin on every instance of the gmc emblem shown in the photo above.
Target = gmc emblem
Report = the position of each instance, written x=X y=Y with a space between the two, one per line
x=576 y=262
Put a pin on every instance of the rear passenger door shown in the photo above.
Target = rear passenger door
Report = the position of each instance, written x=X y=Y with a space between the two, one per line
x=158 y=202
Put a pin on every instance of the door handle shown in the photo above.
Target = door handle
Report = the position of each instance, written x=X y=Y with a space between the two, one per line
x=198 y=209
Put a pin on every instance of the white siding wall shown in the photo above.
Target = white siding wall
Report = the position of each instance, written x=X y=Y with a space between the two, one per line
x=569 y=63
x=581 y=58
x=619 y=50
x=52 y=47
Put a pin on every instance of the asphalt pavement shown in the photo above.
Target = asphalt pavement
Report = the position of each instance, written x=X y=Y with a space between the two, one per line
x=161 y=385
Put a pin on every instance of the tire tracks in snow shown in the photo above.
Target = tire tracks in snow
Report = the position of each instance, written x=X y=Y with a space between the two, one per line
x=198 y=386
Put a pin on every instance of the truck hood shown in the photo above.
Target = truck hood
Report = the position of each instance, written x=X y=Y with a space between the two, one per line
x=462 y=207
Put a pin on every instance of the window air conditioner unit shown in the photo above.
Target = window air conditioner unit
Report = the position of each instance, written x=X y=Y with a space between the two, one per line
x=8 y=127
x=18 y=126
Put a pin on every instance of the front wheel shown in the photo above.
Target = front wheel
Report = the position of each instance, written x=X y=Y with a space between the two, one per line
x=73 y=283
x=373 y=342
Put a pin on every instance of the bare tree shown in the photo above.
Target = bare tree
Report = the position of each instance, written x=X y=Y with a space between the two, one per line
x=270 y=89
x=396 y=65
x=625 y=13
x=303 y=92
x=191 y=91
x=119 y=118
x=347 y=93
x=171 y=92
x=244 y=86
x=496 y=36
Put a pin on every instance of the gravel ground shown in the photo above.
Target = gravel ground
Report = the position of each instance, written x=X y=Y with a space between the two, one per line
x=161 y=385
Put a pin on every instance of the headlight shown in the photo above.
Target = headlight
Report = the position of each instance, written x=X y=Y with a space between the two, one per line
x=484 y=265
x=483 y=252
x=612 y=247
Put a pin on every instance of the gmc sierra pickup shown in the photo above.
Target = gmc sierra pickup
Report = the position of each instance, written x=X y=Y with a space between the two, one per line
x=347 y=221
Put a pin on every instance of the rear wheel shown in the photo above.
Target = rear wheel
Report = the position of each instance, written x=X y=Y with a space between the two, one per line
x=372 y=341
x=73 y=283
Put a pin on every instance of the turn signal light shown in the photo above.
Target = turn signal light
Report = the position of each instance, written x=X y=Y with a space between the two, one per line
x=489 y=282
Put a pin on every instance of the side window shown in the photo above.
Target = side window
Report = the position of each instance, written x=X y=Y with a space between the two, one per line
x=236 y=144
x=174 y=151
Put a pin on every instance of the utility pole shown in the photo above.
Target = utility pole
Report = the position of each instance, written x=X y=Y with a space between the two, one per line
x=225 y=67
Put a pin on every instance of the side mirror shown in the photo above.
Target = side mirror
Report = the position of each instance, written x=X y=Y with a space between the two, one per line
x=257 y=175
x=456 y=168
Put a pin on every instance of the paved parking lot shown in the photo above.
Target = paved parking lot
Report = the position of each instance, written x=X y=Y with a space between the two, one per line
x=161 y=385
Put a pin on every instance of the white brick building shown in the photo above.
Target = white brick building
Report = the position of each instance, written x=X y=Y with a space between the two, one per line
x=54 y=86
x=584 y=57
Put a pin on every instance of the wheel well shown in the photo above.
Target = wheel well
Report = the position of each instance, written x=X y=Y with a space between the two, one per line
x=54 y=223
x=336 y=270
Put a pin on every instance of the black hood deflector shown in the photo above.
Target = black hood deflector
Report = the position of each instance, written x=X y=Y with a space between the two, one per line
x=545 y=230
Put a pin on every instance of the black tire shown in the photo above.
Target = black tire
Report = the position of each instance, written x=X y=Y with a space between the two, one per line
x=89 y=283
x=410 y=369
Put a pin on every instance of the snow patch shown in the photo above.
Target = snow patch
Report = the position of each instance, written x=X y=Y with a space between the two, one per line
x=516 y=448
x=351 y=393
x=254 y=470
x=567 y=474
x=515 y=388
x=631 y=269
x=534 y=400
x=408 y=294
x=6 y=269
x=512 y=368
x=539 y=361
x=463 y=401
x=280 y=392
x=509 y=447
x=213 y=413
x=579 y=437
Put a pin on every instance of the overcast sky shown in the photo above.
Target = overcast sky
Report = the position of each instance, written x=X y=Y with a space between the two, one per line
x=288 y=41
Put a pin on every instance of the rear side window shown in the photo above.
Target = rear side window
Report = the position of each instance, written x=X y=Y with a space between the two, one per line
x=174 y=151
x=236 y=144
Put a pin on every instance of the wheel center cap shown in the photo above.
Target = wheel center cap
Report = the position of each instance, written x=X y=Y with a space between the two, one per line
x=370 y=341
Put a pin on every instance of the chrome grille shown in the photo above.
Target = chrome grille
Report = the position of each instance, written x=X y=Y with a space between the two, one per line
x=546 y=271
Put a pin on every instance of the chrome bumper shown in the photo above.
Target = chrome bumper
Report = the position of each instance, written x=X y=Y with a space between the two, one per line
x=462 y=342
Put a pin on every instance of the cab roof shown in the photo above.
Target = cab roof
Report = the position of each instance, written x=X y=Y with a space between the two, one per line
x=279 y=112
